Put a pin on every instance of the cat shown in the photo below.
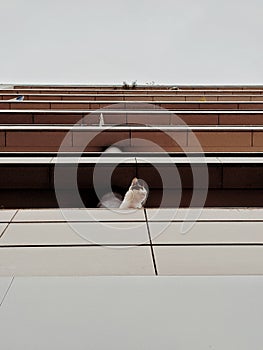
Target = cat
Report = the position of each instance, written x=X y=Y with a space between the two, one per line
x=134 y=198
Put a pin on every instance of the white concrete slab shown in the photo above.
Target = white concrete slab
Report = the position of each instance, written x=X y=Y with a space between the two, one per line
x=87 y=215
x=6 y=215
x=76 y=261
x=75 y=233
x=205 y=214
x=206 y=232
x=177 y=160
x=209 y=260
x=241 y=160
x=94 y=160
x=2 y=228
x=4 y=285
x=85 y=128
x=25 y=160
x=133 y=313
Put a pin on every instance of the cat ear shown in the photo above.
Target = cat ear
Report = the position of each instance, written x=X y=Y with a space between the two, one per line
x=134 y=181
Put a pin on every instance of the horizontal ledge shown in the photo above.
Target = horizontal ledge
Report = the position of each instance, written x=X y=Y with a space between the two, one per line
x=152 y=214
x=18 y=245
x=112 y=128
x=235 y=155
x=156 y=93
x=137 y=111
x=146 y=160
x=130 y=102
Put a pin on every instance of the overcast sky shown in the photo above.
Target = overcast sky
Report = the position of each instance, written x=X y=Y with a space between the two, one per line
x=109 y=41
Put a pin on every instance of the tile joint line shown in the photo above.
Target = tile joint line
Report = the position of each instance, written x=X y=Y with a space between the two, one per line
x=12 y=280
x=151 y=245
x=9 y=222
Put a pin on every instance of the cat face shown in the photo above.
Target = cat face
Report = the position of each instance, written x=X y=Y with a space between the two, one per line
x=139 y=191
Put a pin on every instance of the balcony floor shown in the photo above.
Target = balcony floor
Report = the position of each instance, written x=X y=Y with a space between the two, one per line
x=131 y=313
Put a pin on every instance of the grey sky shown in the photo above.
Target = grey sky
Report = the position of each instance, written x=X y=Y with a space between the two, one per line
x=169 y=41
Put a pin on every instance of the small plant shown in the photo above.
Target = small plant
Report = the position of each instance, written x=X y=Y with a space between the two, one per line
x=134 y=84
x=126 y=86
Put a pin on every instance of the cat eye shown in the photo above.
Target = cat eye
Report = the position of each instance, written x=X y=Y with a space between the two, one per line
x=137 y=187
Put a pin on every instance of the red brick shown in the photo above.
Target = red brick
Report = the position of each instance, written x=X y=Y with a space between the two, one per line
x=16 y=118
x=36 y=149
x=109 y=118
x=257 y=139
x=7 y=97
x=78 y=98
x=178 y=105
x=222 y=138
x=99 y=105
x=234 y=98
x=2 y=138
x=172 y=98
x=241 y=119
x=70 y=105
x=135 y=102
x=196 y=119
x=109 y=98
x=215 y=106
x=149 y=119
x=169 y=138
x=42 y=97
x=102 y=139
x=257 y=98
x=147 y=148
x=200 y=98
x=134 y=98
x=251 y=105
x=37 y=138
x=57 y=118
x=29 y=105
x=4 y=105
x=225 y=149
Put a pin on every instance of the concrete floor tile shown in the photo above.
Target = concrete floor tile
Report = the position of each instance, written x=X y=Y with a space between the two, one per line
x=76 y=261
x=206 y=214
x=2 y=228
x=206 y=232
x=184 y=312
x=4 y=285
x=35 y=215
x=207 y=260
x=75 y=233
x=6 y=215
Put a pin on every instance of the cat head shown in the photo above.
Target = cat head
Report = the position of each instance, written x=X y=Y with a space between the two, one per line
x=139 y=190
